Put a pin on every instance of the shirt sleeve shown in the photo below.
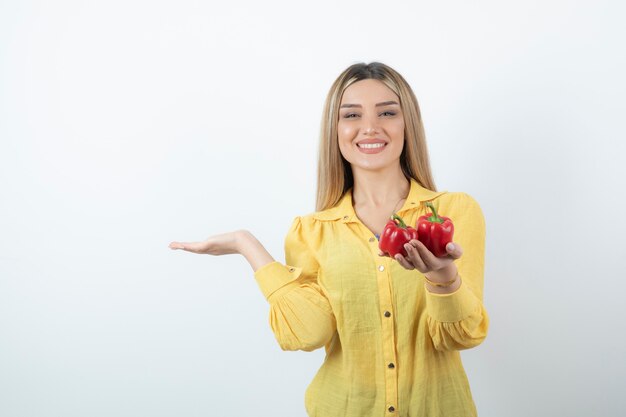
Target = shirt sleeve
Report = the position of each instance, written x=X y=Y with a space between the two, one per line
x=459 y=320
x=300 y=316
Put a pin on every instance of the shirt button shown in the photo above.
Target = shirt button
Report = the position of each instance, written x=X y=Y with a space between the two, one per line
x=345 y=217
x=372 y=239
x=291 y=269
x=381 y=268
x=391 y=409
x=391 y=366
x=387 y=314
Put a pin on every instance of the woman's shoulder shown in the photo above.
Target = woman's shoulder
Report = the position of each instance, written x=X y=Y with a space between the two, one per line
x=306 y=228
x=457 y=198
x=316 y=218
x=459 y=205
x=311 y=226
x=306 y=222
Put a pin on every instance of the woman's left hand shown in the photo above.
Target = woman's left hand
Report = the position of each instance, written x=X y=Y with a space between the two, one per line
x=420 y=258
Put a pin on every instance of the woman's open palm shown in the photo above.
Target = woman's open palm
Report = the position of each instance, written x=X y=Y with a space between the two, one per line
x=222 y=244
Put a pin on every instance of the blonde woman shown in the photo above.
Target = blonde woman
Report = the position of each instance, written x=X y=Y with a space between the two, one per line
x=392 y=329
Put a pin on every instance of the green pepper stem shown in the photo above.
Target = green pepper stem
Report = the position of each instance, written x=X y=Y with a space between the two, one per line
x=435 y=217
x=398 y=218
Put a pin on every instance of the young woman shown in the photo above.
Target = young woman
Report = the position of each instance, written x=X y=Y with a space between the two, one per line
x=392 y=329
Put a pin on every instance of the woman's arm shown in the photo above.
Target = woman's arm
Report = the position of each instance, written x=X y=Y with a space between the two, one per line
x=300 y=314
x=457 y=318
x=301 y=317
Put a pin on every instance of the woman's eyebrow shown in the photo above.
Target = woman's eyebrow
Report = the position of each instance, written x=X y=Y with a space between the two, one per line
x=384 y=103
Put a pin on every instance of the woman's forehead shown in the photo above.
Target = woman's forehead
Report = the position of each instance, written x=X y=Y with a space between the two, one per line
x=369 y=90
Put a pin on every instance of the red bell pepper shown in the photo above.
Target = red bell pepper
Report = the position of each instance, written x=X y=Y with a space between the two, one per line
x=435 y=231
x=394 y=236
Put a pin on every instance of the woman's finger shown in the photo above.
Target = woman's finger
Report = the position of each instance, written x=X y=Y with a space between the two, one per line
x=195 y=247
x=414 y=256
x=431 y=262
x=402 y=261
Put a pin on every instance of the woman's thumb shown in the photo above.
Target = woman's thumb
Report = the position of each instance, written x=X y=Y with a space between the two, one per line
x=454 y=250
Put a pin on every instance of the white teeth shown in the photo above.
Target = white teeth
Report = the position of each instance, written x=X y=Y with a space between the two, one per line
x=371 y=145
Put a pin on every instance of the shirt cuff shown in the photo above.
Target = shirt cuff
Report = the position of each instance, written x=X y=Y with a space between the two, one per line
x=274 y=275
x=453 y=307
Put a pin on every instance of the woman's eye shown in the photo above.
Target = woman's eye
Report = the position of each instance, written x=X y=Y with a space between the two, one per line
x=353 y=115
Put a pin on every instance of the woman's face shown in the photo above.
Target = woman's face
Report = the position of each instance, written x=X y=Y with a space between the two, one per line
x=370 y=113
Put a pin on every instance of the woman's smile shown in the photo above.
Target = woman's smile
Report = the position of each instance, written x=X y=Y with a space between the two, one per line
x=371 y=147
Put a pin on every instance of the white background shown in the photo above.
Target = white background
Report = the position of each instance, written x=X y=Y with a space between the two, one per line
x=125 y=125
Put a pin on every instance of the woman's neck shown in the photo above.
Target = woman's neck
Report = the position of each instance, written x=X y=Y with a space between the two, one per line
x=376 y=190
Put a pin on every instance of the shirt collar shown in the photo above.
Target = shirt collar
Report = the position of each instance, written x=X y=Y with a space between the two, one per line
x=344 y=210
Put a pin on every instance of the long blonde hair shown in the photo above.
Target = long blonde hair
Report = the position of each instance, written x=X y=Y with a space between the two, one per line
x=334 y=173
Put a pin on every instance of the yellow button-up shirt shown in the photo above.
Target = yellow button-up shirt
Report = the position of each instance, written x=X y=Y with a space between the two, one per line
x=392 y=347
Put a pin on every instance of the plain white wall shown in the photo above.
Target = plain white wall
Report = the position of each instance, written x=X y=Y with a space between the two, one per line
x=125 y=125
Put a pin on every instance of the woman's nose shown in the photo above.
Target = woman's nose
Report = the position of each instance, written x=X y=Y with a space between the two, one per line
x=370 y=125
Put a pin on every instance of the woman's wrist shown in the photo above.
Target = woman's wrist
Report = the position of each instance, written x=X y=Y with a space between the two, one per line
x=443 y=281
x=242 y=240
x=443 y=275
x=251 y=249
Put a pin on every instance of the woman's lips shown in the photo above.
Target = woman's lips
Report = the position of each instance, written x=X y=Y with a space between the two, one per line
x=372 y=150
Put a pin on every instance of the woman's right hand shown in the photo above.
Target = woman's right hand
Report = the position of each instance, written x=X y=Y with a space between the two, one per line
x=222 y=244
